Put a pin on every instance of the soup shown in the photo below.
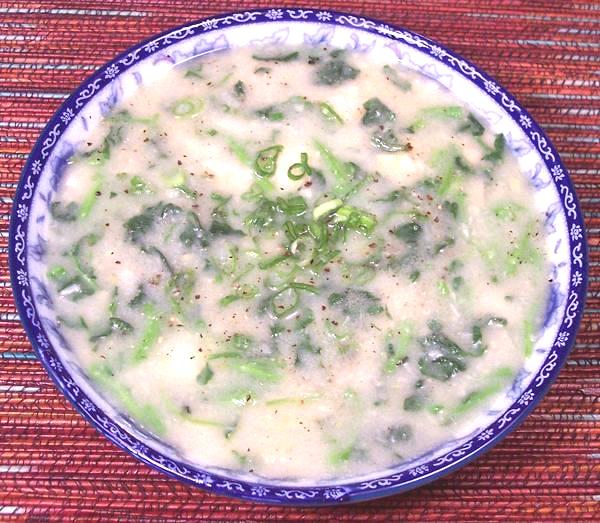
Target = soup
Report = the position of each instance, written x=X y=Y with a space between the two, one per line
x=299 y=264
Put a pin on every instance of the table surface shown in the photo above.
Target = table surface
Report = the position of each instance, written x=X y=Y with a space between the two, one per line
x=53 y=466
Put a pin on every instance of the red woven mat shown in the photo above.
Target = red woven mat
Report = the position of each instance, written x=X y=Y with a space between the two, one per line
x=53 y=466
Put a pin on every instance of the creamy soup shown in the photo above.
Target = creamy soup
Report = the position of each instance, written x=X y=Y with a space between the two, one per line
x=301 y=264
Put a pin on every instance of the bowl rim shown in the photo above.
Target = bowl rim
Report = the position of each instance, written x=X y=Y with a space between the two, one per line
x=345 y=491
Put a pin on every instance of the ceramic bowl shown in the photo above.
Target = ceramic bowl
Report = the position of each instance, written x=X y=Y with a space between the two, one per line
x=538 y=160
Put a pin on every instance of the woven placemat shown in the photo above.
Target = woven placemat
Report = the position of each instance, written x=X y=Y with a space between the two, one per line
x=54 y=467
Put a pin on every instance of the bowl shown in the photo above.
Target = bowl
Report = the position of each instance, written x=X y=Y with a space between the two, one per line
x=537 y=158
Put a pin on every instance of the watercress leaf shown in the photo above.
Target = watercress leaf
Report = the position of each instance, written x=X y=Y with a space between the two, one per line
x=409 y=233
x=335 y=71
x=444 y=244
x=399 y=433
x=139 y=299
x=472 y=125
x=354 y=302
x=193 y=233
x=393 y=76
x=222 y=228
x=281 y=57
x=64 y=213
x=273 y=113
x=137 y=226
x=76 y=288
x=497 y=154
x=205 y=375
x=377 y=113
x=388 y=142
x=414 y=402
x=441 y=368
x=239 y=90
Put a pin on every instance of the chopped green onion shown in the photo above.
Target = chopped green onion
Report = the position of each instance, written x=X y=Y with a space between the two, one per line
x=293 y=206
x=298 y=170
x=326 y=208
x=265 y=163
x=187 y=107
x=284 y=302
x=356 y=219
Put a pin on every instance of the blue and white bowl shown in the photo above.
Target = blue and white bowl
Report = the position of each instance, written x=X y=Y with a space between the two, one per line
x=538 y=160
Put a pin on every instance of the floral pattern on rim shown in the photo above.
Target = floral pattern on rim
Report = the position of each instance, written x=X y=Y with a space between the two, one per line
x=485 y=435
x=394 y=482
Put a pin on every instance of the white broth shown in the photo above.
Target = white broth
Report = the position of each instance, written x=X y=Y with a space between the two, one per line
x=302 y=265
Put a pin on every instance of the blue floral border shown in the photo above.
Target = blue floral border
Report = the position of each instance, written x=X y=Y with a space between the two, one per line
x=322 y=494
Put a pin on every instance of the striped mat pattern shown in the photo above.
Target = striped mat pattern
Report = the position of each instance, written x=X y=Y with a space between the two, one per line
x=54 y=467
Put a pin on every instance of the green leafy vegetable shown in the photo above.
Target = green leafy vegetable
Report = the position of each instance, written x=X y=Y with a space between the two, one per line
x=354 y=302
x=239 y=90
x=494 y=383
x=399 y=434
x=508 y=211
x=150 y=334
x=443 y=357
x=388 y=142
x=177 y=179
x=240 y=152
x=115 y=326
x=377 y=113
x=138 y=186
x=335 y=71
x=393 y=76
x=449 y=163
x=329 y=113
x=179 y=288
x=472 y=125
x=439 y=112
x=139 y=299
x=497 y=154
x=409 y=233
x=281 y=57
x=92 y=196
x=64 y=213
x=457 y=282
x=414 y=402
x=193 y=233
x=273 y=113
x=444 y=244
x=205 y=375
x=397 y=343
x=525 y=251
x=140 y=224
x=220 y=225
x=242 y=342
x=194 y=72
x=340 y=456
x=146 y=413
x=82 y=282
x=343 y=172
x=261 y=369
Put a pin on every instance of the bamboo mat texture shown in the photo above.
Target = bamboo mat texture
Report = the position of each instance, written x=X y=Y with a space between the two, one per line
x=55 y=467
